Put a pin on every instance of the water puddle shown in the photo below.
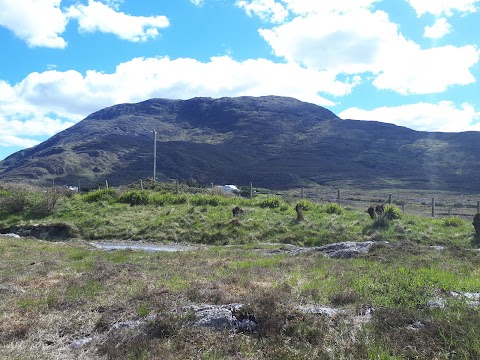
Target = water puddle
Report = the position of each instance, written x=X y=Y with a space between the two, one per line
x=144 y=247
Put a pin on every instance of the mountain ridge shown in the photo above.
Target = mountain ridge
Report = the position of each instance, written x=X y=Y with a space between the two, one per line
x=272 y=141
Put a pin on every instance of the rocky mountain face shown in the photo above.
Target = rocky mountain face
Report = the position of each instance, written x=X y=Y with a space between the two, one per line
x=271 y=141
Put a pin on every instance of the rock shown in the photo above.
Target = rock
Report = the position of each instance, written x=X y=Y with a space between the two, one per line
x=222 y=317
x=5 y=289
x=438 y=303
x=12 y=235
x=77 y=344
x=472 y=299
x=59 y=231
x=346 y=250
x=132 y=324
x=416 y=325
x=325 y=311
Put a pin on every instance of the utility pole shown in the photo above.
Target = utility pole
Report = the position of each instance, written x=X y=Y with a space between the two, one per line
x=154 y=155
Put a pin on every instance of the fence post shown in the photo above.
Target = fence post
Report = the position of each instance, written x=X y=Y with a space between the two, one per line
x=449 y=211
x=251 y=191
x=141 y=184
x=339 y=199
x=478 y=206
x=403 y=208
x=433 y=207
x=176 y=186
x=390 y=199
x=302 y=194
x=106 y=184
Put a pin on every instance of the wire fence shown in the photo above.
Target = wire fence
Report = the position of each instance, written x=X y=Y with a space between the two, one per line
x=421 y=203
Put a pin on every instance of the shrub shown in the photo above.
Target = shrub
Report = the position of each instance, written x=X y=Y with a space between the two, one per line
x=199 y=200
x=453 y=221
x=134 y=197
x=18 y=198
x=333 y=208
x=268 y=202
x=307 y=205
x=99 y=195
x=392 y=212
x=381 y=222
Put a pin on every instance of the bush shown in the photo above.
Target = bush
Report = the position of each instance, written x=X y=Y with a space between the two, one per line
x=307 y=205
x=200 y=200
x=392 y=212
x=268 y=202
x=18 y=198
x=134 y=197
x=453 y=221
x=99 y=195
x=333 y=208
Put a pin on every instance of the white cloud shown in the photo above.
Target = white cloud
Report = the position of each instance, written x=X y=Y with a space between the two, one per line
x=348 y=43
x=197 y=2
x=444 y=7
x=42 y=22
x=10 y=140
x=443 y=116
x=265 y=9
x=411 y=70
x=38 y=23
x=277 y=11
x=45 y=103
x=34 y=125
x=439 y=29
x=73 y=93
x=97 y=16
x=359 y=41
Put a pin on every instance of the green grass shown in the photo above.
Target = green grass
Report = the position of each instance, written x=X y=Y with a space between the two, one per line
x=65 y=291
x=397 y=280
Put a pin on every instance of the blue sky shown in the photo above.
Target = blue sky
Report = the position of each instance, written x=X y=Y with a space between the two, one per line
x=413 y=63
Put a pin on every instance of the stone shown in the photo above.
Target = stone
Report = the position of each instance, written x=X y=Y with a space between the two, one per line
x=346 y=250
x=325 y=311
x=222 y=317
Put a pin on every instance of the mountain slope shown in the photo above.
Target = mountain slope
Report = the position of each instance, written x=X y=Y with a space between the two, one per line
x=271 y=141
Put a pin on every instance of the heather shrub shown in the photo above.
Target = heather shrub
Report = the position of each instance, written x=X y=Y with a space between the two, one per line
x=453 y=221
x=267 y=202
x=134 y=197
x=307 y=205
x=99 y=195
x=200 y=200
x=333 y=208
x=392 y=212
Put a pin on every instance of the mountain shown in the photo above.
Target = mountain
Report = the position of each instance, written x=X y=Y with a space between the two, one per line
x=271 y=141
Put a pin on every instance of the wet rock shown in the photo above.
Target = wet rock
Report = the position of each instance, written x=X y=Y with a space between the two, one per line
x=12 y=235
x=59 y=231
x=343 y=250
x=346 y=250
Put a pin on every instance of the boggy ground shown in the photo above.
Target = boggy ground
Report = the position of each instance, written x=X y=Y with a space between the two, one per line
x=70 y=300
x=54 y=295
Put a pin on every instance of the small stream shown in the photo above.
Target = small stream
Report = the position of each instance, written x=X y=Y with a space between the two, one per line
x=144 y=247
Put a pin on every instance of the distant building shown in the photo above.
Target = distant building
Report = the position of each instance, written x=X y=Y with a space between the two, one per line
x=228 y=189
